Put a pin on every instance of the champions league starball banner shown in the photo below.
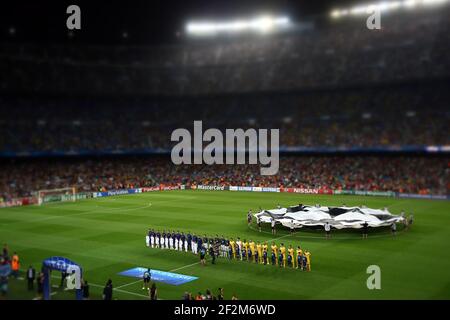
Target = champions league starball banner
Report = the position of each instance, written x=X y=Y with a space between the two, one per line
x=338 y=217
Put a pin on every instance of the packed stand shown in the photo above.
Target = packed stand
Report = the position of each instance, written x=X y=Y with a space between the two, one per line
x=407 y=174
x=412 y=115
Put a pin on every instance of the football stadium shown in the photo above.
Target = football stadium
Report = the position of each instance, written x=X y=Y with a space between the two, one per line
x=298 y=154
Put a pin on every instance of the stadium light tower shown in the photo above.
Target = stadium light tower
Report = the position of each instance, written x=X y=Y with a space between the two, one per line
x=263 y=24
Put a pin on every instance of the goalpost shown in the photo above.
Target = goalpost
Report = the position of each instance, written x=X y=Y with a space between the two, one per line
x=56 y=195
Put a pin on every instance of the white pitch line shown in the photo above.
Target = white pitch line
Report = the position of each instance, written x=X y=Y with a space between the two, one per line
x=187 y=266
x=128 y=284
x=132 y=293
x=116 y=289
x=286 y=235
x=119 y=290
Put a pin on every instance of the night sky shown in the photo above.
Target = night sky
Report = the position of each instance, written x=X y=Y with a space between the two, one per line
x=135 y=21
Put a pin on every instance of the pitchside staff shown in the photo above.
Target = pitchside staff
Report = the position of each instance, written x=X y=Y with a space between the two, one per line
x=220 y=246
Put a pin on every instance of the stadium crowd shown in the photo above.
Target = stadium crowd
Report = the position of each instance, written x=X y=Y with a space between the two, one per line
x=408 y=174
x=367 y=118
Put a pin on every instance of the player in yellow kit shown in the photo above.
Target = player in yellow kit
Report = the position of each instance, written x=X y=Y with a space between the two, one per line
x=292 y=256
x=283 y=253
x=274 y=249
x=259 y=251
x=233 y=248
x=245 y=245
x=254 y=253
x=245 y=251
x=308 y=260
x=251 y=251
x=252 y=245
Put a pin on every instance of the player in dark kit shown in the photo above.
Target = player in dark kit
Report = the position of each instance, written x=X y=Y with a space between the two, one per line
x=238 y=247
x=274 y=258
x=304 y=263
x=147 y=277
x=202 y=255
x=189 y=241
x=289 y=260
x=183 y=240
x=265 y=256
x=199 y=244
x=163 y=237
x=212 y=254
x=158 y=242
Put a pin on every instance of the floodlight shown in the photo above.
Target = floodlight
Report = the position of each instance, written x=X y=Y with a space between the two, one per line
x=262 y=24
x=335 y=13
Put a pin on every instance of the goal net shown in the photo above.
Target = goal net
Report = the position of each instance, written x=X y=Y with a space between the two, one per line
x=56 y=195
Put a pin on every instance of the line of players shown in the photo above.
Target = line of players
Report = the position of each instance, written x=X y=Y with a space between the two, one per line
x=231 y=249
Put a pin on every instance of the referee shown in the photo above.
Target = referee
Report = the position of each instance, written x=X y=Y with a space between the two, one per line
x=272 y=223
x=327 y=230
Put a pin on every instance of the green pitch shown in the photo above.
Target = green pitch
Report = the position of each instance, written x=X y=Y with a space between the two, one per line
x=107 y=235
